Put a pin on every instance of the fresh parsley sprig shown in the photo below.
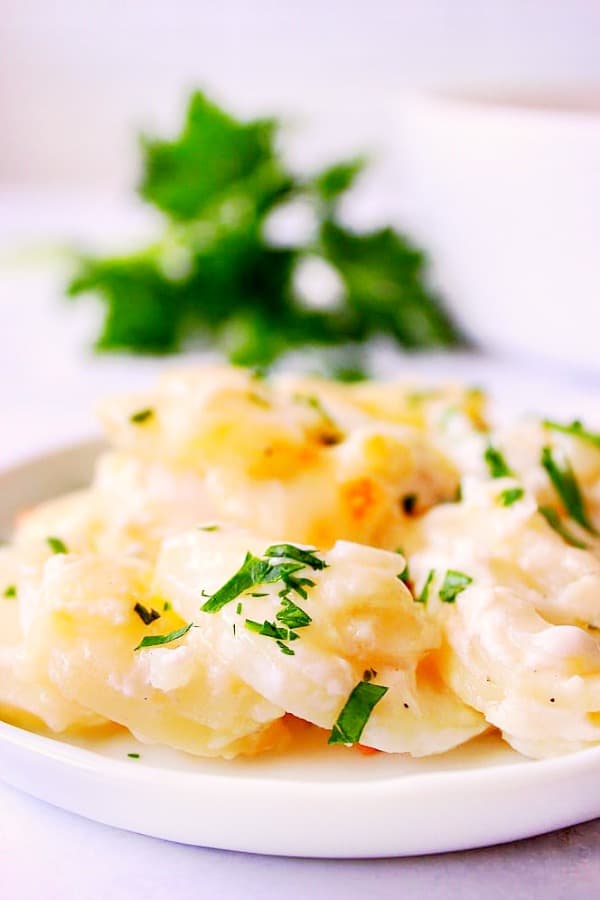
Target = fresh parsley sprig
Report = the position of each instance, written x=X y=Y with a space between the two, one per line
x=214 y=273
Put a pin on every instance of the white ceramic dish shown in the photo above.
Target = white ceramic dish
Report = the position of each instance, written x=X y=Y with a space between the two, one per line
x=503 y=191
x=313 y=801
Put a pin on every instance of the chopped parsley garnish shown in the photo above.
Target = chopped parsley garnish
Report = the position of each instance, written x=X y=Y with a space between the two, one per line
x=454 y=583
x=146 y=615
x=292 y=615
x=141 y=416
x=424 y=595
x=496 y=463
x=271 y=630
x=555 y=522
x=575 y=429
x=404 y=575
x=167 y=606
x=10 y=591
x=409 y=502
x=510 y=496
x=56 y=545
x=567 y=487
x=208 y=527
x=133 y=755
x=256 y=571
x=155 y=640
x=290 y=551
x=253 y=571
x=351 y=721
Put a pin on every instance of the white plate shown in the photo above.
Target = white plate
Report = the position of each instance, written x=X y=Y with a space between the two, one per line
x=312 y=801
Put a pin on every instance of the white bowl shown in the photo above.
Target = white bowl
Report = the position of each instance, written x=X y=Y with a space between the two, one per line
x=504 y=193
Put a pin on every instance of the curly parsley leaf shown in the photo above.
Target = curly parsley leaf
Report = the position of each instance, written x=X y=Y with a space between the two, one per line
x=355 y=714
x=384 y=280
x=213 y=159
x=335 y=180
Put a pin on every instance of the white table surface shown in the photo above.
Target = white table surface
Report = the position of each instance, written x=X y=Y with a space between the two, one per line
x=48 y=385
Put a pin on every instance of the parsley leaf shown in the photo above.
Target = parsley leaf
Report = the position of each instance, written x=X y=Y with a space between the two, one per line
x=424 y=595
x=156 y=640
x=292 y=615
x=146 y=615
x=351 y=721
x=141 y=416
x=404 y=575
x=10 y=591
x=454 y=583
x=383 y=277
x=567 y=487
x=334 y=181
x=555 y=522
x=290 y=551
x=496 y=462
x=253 y=571
x=56 y=545
x=575 y=429
x=214 y=273
x=271 y=630
x=510 y=496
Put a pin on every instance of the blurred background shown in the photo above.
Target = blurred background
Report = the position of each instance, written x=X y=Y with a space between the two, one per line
x=502 y=193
